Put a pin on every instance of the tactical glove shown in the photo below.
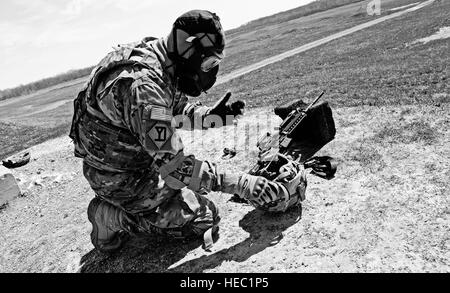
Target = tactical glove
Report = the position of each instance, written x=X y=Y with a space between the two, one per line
x=277 y=195
x=222 y=108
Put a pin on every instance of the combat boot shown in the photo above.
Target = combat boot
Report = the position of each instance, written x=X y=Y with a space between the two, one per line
x=111 y=226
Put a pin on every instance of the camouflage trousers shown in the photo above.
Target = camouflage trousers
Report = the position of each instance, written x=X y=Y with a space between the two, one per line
x=150 y=206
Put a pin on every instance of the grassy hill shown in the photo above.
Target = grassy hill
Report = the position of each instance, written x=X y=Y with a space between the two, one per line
x=316 y=6
x=291 y=14
x=365 y=68
x=44 y=83
x=378 y=66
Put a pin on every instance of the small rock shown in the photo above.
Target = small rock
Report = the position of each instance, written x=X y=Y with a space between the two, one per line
x=440 y=221
x=38 y=182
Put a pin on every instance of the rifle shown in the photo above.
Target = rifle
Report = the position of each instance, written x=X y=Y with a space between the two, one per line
x=301 y=134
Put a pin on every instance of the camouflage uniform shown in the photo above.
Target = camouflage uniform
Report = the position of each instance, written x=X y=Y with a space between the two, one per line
x=133 y=156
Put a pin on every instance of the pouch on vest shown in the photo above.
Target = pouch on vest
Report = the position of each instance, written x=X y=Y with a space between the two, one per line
x=78 y=109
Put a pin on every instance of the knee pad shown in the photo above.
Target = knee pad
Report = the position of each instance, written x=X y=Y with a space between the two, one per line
x=186 y=214
x=205 y=213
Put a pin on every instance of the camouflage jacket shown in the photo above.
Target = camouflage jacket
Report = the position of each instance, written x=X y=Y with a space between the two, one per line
x=123 y=120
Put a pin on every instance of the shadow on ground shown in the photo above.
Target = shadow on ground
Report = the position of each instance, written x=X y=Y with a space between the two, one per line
x=156 y=255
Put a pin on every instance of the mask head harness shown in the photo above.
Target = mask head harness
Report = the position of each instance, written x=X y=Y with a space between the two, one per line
x=198 y=44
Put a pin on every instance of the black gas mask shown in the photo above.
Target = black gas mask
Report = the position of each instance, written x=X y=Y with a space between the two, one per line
x=198 y=42
x=197 y=61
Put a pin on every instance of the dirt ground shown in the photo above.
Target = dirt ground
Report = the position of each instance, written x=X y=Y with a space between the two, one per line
x=387 y=209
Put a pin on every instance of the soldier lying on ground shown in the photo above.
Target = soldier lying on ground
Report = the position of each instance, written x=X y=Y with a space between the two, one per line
x=132 y=156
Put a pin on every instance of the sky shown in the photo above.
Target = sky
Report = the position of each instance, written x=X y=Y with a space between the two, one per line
x=41 y=38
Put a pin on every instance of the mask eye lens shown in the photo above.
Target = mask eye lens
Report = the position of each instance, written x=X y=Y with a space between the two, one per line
x=209 y=63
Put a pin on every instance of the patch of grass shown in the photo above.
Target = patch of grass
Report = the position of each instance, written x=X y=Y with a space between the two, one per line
x=441 y=182
x=431 y=167
x=3 y=206
x=417 y=131
x=394 y=180
x=366 y=154
x=344 y=122
x=17 y=137
x=405 y=112
x=422 y=131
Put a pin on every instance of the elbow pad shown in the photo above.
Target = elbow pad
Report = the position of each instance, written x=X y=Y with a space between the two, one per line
x=187 y=171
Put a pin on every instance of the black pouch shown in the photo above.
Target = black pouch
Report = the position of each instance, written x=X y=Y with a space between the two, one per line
x=314 y=132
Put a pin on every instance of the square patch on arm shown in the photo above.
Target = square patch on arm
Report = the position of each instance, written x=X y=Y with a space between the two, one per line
x=161 y=114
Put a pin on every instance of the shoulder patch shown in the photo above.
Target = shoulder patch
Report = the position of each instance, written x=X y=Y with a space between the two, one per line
x=160 y=134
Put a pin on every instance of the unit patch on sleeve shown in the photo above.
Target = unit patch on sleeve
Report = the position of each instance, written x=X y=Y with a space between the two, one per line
x=160 y=134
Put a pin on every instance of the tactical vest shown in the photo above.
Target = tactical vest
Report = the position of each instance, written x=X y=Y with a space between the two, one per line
x=100 y=142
